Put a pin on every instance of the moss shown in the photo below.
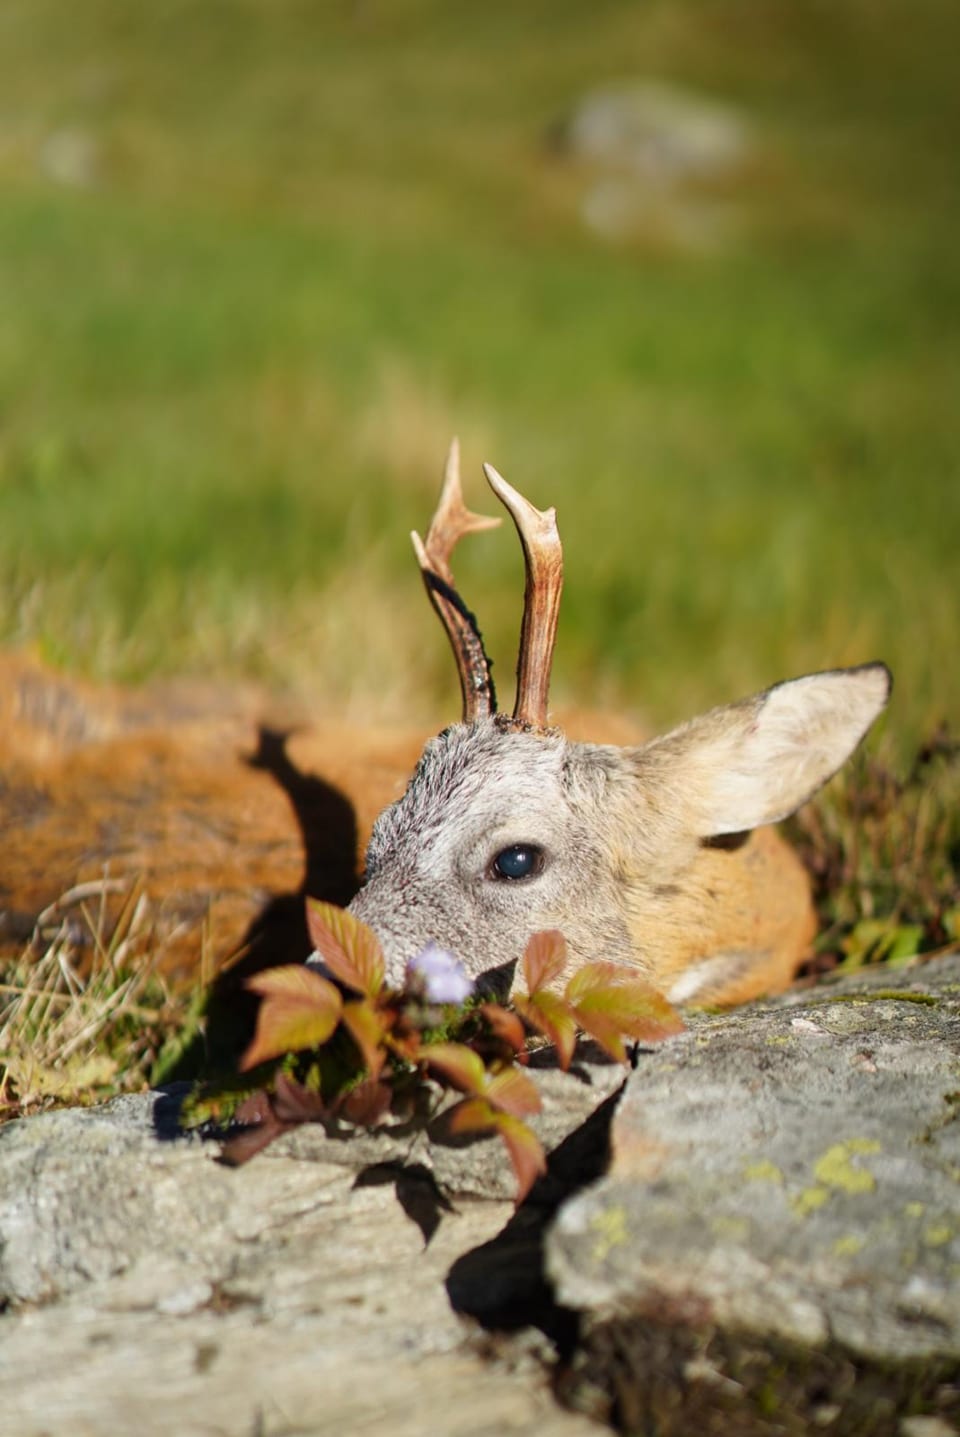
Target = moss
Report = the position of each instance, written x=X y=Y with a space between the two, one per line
x=889 y=995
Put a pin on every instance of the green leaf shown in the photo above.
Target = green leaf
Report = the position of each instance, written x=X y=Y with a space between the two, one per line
x=544 y=960
x=951 y=923
x=300 y=1009
x=905 y=943
x=881 y=940
x=348 y=947
x=458 y=1065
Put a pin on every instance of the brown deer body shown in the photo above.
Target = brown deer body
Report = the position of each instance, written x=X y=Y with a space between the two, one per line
x=637 y=853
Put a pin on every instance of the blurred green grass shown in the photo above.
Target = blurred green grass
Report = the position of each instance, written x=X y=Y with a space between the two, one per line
x=308 y=242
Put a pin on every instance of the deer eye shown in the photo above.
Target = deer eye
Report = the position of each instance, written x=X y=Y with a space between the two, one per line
x=520 y=860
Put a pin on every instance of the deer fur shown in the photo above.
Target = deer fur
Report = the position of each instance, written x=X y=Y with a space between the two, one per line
x=646 y=855
x=224 y=809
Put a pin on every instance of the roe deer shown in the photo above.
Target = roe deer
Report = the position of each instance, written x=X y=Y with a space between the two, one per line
x=644 y=855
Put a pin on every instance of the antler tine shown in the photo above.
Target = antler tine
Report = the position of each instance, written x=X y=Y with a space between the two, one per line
x=451 y=521
x=543 y=559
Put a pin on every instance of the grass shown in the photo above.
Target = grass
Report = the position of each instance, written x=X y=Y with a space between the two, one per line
x=259 y=260
x=312 y=242
x=84 y=1011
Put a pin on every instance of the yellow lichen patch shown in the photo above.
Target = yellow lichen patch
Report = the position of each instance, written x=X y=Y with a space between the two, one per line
x=730 y=1229
x=836 y=1170
x=849 y=1246
x=763 y=1171
x=809 y=1200
x=937 y=1235
x=611 y=1230
x=914 y=1209
x=778 y=1040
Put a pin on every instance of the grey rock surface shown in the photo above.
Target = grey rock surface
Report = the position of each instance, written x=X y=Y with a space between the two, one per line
x=656 y=154
x=152 y=1289
x=774 y=1246
x=788 y=1175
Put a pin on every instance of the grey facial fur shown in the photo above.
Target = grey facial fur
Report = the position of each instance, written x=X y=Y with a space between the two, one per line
x=479 y=789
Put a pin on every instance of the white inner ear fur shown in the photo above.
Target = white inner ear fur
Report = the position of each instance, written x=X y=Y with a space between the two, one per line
x=759 y=761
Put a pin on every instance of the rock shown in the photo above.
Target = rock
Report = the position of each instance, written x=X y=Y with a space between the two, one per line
x=783 y=1198
x=659 y=132
x=303 y=1291
x=655 y=150
x=772 y=1247
x=71 y=156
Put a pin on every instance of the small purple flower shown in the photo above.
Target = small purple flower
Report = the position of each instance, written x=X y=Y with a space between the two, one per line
x=438 y=977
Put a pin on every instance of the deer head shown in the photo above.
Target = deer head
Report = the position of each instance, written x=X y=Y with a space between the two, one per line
x=642 y=855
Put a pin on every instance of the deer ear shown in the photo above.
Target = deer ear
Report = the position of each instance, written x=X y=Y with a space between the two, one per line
x=757 y=761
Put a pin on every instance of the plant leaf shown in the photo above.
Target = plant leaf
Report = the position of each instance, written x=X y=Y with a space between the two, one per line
x=470 y=1115
x=544 y=960
x=505 y=1025
x=476 y=1116
x=296 y=1104
x=511 y=1091
x=610 y=1002
x=459 y=1065
x=367 y=1103
x=300 y=1009
x=348 y=947
x=550 y=1015
x=526 y=1154
x=367 y=1027
x=258 y=1126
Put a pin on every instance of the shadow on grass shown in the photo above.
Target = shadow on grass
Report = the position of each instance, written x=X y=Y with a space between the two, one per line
x=278 y=934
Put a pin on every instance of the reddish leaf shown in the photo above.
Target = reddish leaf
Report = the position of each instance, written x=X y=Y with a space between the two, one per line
x=505 y=1025
x=367 y=1103
x=254 y=1109
x=604 y=1031
x=348 y=947
x=368 y=1028
x=476 y=1116
x=299 y=1010
x=295 y=1104
x=259 y=1127
x=461 y=1067
x=550 y=1015
x=526 y=1154
x=470 y=1116
x=610 y=1002
x=544 y=960
x=511 y=1091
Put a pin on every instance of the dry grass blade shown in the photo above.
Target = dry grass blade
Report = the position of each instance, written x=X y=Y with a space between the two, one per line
x=83 y=1009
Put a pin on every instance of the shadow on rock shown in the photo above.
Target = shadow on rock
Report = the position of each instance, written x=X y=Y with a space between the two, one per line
x=503 y=1284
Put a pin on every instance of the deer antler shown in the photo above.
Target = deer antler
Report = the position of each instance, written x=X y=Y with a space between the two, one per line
x=543 y=558
x=450 y=522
